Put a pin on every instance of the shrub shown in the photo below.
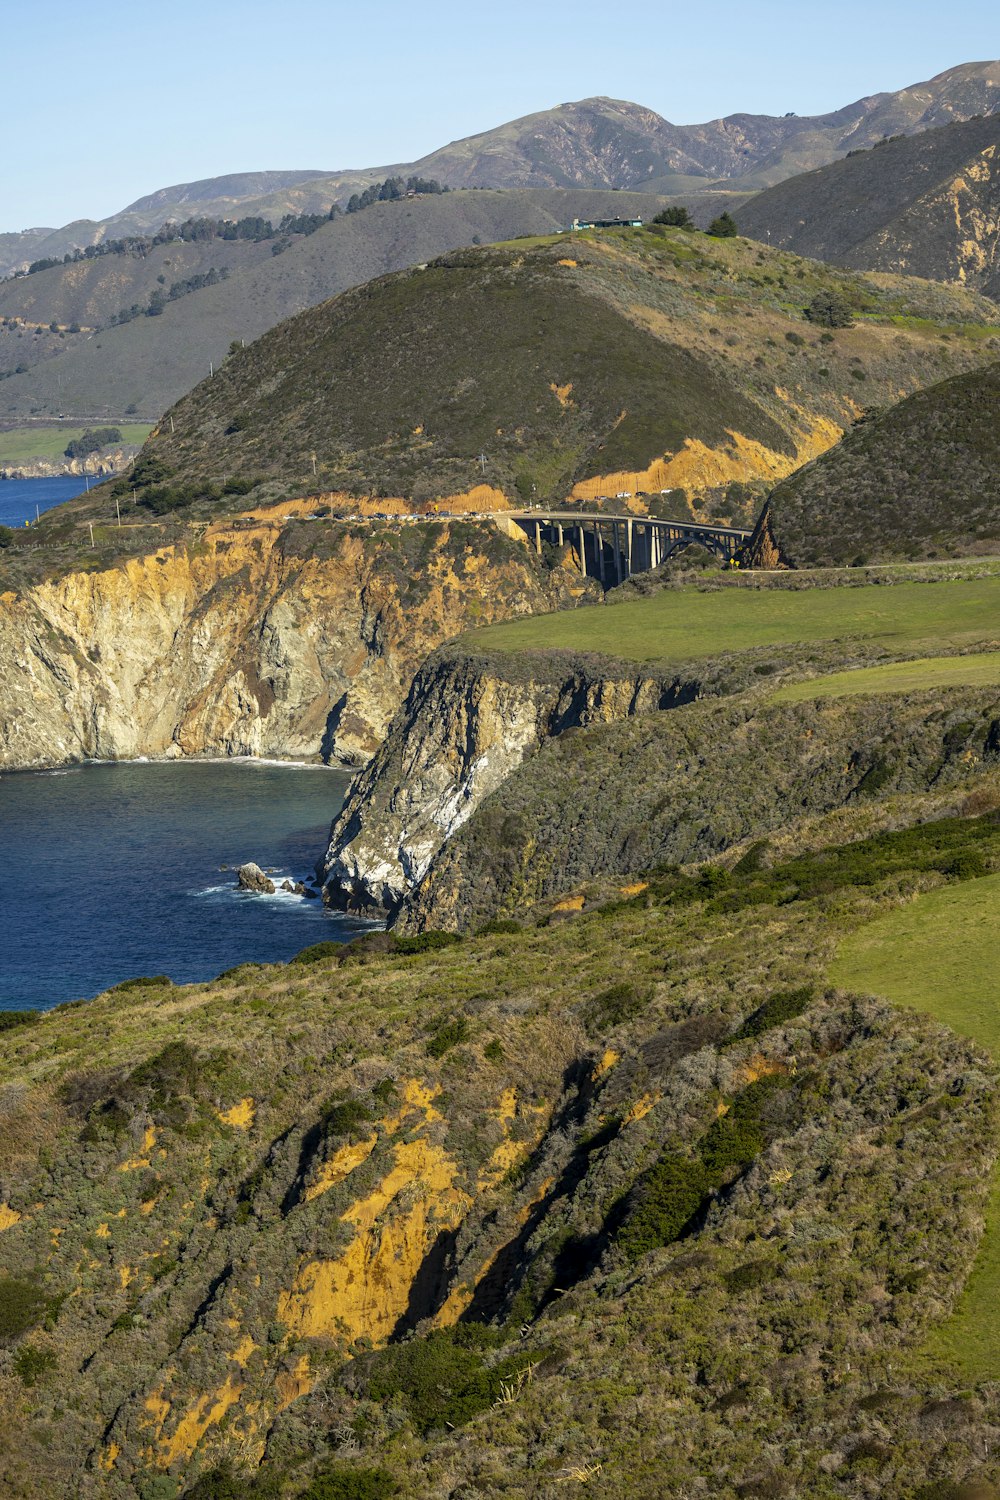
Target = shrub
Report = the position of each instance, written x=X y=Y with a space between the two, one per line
x=21 y=1307
x=969 y=865
x=724 y=227
x=92 y=441
x=622 y=1002
x=447 y=1036
x=141 y=982
x=751 y=1274
x=675 y=216
x=317 y=953
x=346 y=1482
x=775 y=1011
x=11 y=1018
x=31 y=1363
x=426 y=942
x=443 y=1379
x=831 y=310
x=500 y=926
x=662 y=1202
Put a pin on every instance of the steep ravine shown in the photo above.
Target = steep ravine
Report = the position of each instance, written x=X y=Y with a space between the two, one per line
x=250 y=640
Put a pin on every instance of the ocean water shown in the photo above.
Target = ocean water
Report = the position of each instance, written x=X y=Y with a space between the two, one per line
x=19 y=497
x=111 y=871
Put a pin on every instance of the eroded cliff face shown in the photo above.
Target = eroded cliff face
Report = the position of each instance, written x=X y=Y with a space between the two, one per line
x=247 y=642
x=467 y=724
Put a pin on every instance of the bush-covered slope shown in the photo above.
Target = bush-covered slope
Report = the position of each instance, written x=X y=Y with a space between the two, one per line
x=635 y=360
x=657 y=1207
x=926 y=205
x=919 y=480
x=152 y=361
x=700 y=779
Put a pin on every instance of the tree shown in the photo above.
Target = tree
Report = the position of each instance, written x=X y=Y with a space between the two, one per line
x=830 y=310
x=724 y=227
x=676 y=216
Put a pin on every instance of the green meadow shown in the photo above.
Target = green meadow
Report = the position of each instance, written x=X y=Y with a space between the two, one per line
x=981 y=670
x=941 y=954
x=22 y=444
x=684 y=624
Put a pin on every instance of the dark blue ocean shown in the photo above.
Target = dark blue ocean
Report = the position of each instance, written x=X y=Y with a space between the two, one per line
x=110 y=871
x=19 y=497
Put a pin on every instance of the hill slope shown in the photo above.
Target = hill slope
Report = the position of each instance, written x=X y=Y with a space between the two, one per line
x=152 y=361
x=593 y=143
x=928 y=205
x=921 y=479
x=417 y=1219
x=636 y=360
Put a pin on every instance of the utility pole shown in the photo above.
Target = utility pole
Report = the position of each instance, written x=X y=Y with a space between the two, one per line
x=482 y=462
x=171 y=426
x=91 y=525
x=118 y=511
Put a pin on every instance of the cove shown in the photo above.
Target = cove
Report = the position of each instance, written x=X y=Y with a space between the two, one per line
x=111 y=871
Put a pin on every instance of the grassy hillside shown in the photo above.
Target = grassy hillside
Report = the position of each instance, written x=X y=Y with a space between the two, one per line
x=938 y=954
x=20 y=444
x=606 y=1170
x=688 y=625
x=981 y=669
x=152 y=361
x=925 y=205
x=638 y=359
x=918 y=480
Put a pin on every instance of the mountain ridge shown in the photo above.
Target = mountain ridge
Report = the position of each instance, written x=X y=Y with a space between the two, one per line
x=593 y=142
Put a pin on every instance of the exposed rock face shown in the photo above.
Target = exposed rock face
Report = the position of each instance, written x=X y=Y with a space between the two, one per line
x=467 y=724
x=251 y=877
x=240 y=645
x=108 y=461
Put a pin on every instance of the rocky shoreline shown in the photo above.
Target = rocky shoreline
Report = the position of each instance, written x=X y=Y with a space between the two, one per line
x=97 y=465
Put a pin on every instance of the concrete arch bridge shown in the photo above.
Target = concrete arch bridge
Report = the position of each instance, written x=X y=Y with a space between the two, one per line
x=612 y=548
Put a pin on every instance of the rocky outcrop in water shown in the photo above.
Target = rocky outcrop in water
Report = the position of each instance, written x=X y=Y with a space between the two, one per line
x=251 y=877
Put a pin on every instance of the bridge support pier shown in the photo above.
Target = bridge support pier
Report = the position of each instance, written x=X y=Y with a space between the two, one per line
x=583 y=549
x=538 y=539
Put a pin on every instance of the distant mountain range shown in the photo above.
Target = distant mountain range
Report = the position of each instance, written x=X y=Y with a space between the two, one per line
x=595 y=143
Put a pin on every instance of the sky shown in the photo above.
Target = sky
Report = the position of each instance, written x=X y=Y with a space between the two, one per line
x=105 y=103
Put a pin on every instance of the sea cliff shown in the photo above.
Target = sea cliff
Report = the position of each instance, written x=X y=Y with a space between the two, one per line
x=253 y=639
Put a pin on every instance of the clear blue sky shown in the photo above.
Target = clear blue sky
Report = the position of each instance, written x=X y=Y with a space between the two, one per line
x=108 y=101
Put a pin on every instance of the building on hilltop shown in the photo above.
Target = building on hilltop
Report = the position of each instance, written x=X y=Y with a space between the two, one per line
x=603 y=224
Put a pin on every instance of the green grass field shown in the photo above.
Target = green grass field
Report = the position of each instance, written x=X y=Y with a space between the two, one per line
x=982 y=670
x=685 y=624
x=23 y=443
x=939 y=954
